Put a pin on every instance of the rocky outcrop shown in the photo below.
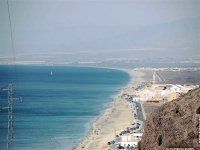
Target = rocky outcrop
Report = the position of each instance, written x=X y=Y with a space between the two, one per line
x=174 y=124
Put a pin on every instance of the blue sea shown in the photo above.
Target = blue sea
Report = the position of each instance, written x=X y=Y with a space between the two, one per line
x=58 y=103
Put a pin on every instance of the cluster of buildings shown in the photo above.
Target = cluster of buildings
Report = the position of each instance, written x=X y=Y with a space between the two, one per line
x=161 y=93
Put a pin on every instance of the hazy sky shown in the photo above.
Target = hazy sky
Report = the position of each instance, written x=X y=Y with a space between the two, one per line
x=89 y=26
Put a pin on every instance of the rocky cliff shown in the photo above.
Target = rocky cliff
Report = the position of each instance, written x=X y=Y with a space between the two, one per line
x=174 y=124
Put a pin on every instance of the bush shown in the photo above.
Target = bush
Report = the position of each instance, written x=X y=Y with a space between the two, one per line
x=198 y=111
x=139 y=145
x=160 y=140
x=177 y=110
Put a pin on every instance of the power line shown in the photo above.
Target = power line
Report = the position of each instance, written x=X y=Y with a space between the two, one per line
x=12 y=40
x=11 y=31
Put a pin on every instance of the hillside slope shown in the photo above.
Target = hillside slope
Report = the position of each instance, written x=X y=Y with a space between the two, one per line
x=174 y=124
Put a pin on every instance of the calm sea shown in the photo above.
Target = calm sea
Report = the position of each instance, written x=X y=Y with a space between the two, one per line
x=58 y=103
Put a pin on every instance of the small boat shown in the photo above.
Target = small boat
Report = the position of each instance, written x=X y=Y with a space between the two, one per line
x=51 y=73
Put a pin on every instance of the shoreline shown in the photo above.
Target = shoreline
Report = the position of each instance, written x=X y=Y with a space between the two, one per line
x=109 y=121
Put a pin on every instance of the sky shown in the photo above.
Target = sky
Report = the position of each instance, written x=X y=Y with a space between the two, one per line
x=85 y=29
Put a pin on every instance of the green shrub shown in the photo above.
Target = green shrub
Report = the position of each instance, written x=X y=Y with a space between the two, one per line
x=198 y=111
x=139 y=145
x=177 y=110
x=160 y=140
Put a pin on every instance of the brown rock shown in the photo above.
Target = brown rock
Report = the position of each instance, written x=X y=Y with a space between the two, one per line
x=174 y=124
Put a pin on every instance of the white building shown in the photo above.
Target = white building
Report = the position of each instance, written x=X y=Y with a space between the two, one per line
x=137 y=135
x=128 y=140
x=137 y=99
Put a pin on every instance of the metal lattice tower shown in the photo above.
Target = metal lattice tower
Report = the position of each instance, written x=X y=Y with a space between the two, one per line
x=10 y=118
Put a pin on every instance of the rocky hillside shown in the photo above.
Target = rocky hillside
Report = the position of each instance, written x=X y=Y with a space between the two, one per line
x=174 y=124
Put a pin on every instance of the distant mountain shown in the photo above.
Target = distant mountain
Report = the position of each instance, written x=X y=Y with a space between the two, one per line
x=175 y=40
x=174 y=124
x=180 y=37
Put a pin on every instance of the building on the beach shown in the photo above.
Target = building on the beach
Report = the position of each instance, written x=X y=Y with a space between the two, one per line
x=129 y=141
x=137 y=99
x=137 y=135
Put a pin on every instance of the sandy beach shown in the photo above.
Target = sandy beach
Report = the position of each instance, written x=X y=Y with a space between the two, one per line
x=115 y=118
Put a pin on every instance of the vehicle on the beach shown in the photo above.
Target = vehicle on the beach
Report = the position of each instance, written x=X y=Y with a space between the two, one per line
x=111 y=142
